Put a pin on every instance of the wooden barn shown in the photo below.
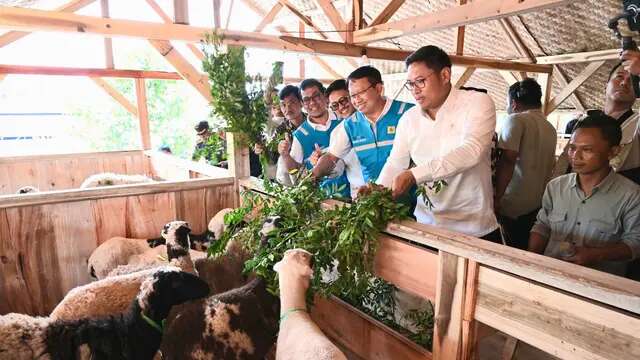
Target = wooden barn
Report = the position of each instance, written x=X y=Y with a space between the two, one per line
x=490 y=301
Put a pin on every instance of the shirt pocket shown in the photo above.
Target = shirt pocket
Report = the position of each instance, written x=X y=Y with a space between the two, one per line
x=557 y=220
x=602 y=232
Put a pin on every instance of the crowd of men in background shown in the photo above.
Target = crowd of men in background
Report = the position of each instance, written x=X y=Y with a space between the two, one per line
x=579 y=208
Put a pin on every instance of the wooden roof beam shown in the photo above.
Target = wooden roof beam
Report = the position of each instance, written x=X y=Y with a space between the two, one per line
x=573 y=85
x=39 y=20
x=468 y=73
x=562 y=79
x=388 y=12
x=358 y=14
x=115 y=94
x=471 y=13
x=589 y=56
x=269 y=17
x=305 y=19
x=143 y=113
x=334 y=17
x=167 y=20
x=460 y=35
x=515 y=39
x=327 y=68
x=108 y=44
x=91 y=72
x=72 y=6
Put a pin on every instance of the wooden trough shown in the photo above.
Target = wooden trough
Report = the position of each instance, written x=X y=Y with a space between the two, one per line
x=569 y=311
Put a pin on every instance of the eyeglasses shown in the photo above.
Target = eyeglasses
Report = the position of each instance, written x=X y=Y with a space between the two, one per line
x=343 y=101
x=307 y=99
x=359 y=93
x=419 y=83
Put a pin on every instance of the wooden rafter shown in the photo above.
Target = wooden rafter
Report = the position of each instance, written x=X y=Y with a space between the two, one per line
x=305 y=19
x=302 y=66
x=460 y=35
x=40 y=20
x=473 y=12
x=183 y=17
x=216 y=13
x=358 y=14
x=387 y=12
x=269 y=17
x=181 y=12
x=508 y=77
x=512 y=35
x=11 y=36
x=334 y=17
x=588 y=56
x=108 y=44
x=66 y=71
x=546 y=84
x=184 y=68
x=143 y=114
x=226 y=24
x=468 y=72
x=116 y=95
x=562 y=79
x=573 y=85
x=323 y=64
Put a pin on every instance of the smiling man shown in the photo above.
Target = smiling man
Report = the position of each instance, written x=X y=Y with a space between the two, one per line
x=313 y=136
x=448 y=136
x=370 y=131
x=591 y=217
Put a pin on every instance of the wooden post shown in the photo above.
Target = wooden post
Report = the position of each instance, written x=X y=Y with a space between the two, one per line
x=460 y=39
x=546 y=84
x=143 y=115
x=181 y=12
x=358 y=14
x=108 y=44
x=216 y=14
x=302 y=64
x=469 y=325
x=450 y=293
x=239 y=163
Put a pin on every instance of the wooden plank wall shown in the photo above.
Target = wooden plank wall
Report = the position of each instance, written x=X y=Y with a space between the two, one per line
x=67 y=171
x=44 y=248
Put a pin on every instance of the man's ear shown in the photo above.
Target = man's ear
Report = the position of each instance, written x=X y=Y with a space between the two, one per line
x=380 y=88
x=445 y=75
x=615 y=150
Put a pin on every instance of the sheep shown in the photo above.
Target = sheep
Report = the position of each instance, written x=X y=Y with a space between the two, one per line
x=299 y=336
x=108 y=179
x=201 y=242
x=113 y=252
x=176 y=235
x=238 y=324
x=28 y=189
x=112 y=295
x=133 y=335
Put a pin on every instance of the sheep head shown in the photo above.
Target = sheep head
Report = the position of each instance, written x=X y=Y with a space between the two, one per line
x=294 y=266
x=270 y=224
x=176 y=234
x=168 y=287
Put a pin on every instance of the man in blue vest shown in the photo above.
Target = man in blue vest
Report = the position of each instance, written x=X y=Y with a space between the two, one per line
x=313 y=137
x=370 y=131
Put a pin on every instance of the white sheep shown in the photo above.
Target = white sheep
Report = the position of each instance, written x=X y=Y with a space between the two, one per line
x=28 y=189
x=114 y=252
x=134 y=335
x=109 y=179
x=113 y=294
x=299 y=336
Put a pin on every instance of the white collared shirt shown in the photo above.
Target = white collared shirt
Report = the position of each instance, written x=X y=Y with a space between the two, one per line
x=456 y=148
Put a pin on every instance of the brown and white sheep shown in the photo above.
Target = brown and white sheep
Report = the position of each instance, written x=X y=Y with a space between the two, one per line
x=109 y=179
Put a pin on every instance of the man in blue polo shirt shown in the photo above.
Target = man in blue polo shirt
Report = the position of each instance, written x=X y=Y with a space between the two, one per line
x=370 y=131
x=313 y=136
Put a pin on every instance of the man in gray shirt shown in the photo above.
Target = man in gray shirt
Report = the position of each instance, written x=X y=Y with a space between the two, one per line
x=528 y=143
x=591 y=217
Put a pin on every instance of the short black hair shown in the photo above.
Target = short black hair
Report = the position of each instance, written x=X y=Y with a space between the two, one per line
x=432 y=56
x=608 y=126
x=307 y=83
x=340 y=84
x=526 y=92
x=201 y=126
x=372 y=74
x=290 y=90
x=613 y=70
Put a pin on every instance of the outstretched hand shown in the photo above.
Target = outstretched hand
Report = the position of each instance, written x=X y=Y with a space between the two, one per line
x=631 y=61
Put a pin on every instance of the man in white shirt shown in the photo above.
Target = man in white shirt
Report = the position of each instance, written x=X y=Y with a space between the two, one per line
x=448 y=136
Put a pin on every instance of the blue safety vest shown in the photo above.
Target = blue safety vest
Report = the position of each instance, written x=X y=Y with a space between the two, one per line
x=308 y=137
x=373 y=149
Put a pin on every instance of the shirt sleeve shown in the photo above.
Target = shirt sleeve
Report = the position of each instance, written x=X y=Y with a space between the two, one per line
x=631 y=225
x=282 y=175
x=296 y=151
x=339 y=144
x=480 y=125
x=511 y=134
x=542 y=220
x=400 y=156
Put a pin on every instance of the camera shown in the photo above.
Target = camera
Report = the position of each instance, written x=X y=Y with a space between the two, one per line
x=631 y=15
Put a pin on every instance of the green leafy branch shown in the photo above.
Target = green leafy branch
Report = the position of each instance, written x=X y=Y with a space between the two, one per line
x=434 y=188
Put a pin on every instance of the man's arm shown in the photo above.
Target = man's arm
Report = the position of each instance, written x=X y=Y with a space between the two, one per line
x=594 y=255
x=541 y=232
x=537 y=242
x=399 y=158
x=325 y=164
x=477 y=136
x=285 y=148
x=339 y=147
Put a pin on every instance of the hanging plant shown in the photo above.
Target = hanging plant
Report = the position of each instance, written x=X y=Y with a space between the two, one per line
x=237 y=98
